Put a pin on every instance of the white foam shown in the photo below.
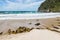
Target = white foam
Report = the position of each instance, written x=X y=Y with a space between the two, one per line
x=29 y=16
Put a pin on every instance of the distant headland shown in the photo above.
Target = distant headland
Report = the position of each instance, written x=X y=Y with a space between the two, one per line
x=50 y=6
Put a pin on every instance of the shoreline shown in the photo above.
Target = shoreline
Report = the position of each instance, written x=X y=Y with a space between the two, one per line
x=29 y=16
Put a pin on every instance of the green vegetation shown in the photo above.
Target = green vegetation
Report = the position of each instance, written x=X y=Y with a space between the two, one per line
x=50 y=6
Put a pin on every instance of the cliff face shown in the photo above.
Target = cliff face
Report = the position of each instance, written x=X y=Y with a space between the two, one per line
x=50 y=6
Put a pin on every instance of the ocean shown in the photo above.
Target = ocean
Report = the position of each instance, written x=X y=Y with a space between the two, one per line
x=17 y=12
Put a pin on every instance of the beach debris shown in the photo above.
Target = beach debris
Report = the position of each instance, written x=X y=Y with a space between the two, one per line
x=19 y=30
x=31 y=28
x=55 y=30
x=37 y=24
x=52 y=29
x=28 y=30
x=9 y=31
x=13 y=32
x=55 y=27
x=1 y=33
x=22 y=29
x=37 y=28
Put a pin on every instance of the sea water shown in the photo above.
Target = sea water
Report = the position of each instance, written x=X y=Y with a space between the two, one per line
x=17 y=12
x=26 y=15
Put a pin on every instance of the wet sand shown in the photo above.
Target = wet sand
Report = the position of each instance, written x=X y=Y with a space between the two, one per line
x=46 y=23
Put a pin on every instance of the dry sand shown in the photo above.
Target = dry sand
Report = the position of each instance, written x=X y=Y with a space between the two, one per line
x=33 y=35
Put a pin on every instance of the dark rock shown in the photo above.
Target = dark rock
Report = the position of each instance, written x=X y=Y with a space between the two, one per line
x=13 y=32
x=56 y=31
x=1 y=33
x=37 y=28
x=55 y=27
x=22 y=29
x=31 y=28
x=9 y=31
x=37 y=24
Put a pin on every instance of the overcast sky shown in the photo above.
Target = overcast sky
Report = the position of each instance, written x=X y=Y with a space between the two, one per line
x=20 y=5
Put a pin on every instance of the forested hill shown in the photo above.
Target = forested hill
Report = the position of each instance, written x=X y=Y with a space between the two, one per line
x=50 y=6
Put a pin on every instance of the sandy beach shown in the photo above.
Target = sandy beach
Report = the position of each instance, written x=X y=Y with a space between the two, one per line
x=33 y=35
x=49 y=29
x=15 y=23
x=29 y=19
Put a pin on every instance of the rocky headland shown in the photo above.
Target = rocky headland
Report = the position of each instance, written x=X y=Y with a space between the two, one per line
x=50 y=6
